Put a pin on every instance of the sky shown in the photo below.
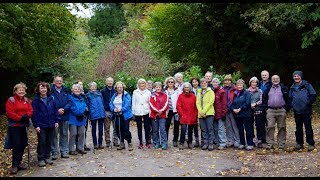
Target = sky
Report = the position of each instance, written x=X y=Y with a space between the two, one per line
x=85 y=13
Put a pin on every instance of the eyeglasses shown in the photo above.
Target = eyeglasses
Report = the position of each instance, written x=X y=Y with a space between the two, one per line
x=170 y=82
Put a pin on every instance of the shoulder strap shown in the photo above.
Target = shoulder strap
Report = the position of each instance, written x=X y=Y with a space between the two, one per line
x=11 y=99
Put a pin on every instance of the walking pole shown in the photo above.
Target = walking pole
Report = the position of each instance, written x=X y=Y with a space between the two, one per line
x=27 y=129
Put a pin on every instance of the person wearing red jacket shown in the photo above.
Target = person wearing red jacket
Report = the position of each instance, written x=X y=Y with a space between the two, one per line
x=188 y=113
x=220 y=109
x=18 y=110
x=158 y=114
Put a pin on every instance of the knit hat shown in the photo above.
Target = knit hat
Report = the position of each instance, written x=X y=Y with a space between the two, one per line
x=253 y=79
x=298 y=73
x=216 y=80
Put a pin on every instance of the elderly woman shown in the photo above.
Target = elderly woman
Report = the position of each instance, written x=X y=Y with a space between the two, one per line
x=172 y=93
x=205 y=100
x=45 y=120
x=141 y=110
x=242 y=112
x=256 y=111
x=220 y=109
x=188 y=113
x=18 y=110
x=195 y=82
x=77 y=121
x=158 y=114
x=120 y=107
x=96 y=114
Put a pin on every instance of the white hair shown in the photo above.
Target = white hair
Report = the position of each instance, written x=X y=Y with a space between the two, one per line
x=186 y=84
x=178 y=75
x=76 y=86
x=93 y=84
x=216 y=80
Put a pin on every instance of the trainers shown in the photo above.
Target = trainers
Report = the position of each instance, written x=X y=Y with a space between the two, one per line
x=175 y=144
x=204 y=147
x=281 y=146
x=241 y=146
x=73 y=152
x=164 y=147
x=86 y=148
x=96 y=147
x=130 y=146
x=310 y=148
x=116 y=144
x=269 y=146
x=54 y=157
x=14 y=170
x=148 y=146
x=140 y=146
x=249 y=148
x=236 y=145
x=181 y=146
x=190 y=145
x=220 y=147
x=298 y=147
x=41 y=163
x=121 y=146
x=210 y=147
x=22 y=167
x=157 y=146
x=101 y=146
x=64 y=155
x=48 y=161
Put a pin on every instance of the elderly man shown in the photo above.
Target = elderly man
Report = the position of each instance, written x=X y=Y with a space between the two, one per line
x=208 y=77
x=265 y=83
x=275 y=99
x=302 y=95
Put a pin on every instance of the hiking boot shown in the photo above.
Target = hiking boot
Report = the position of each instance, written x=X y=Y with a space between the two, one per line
x=269 y=146
x=190 y=146
x=236 y=145
x=48 y=161
x=86 y=148
x=310 y=148
x=116 y=144
x=175 y=143
x=54 y=156
x=96 y=147
x=210 y=147
x=197 y=144
x=121 y=146
x=164 y=147
x=130 y=146
x=249 y=148
x=229 y=145
x=13 y=170
x=64 y=155
x=181 y=146
x=259 y=145
x=204 y=147
x=281 y=146
x=22 y=167
x=220 y=147
x=101 y=146
x=108 y=145
x=140 y=146
x=41 y=163
x=298 y=147
x=73 y=152
x=81 y=152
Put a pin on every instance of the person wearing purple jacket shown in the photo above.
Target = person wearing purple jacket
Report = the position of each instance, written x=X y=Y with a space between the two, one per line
x=45 y=120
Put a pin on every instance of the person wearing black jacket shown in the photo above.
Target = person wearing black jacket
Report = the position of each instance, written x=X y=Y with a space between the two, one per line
x=107 y=92
x=275 y=101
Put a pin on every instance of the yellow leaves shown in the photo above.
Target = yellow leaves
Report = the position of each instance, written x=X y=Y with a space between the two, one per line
x=154 y=175
x=315 y=150
x=212 y=166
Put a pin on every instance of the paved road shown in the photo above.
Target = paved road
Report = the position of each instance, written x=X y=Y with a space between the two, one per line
x=139 y=162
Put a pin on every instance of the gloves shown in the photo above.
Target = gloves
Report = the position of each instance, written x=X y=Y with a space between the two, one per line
x=80 y=118
x=25 y=119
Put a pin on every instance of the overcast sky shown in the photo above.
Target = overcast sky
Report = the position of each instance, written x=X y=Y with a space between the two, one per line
x=85 y=13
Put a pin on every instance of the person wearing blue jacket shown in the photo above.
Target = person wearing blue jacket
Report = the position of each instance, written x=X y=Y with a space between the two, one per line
x=96 y=113
x=61 y=96
x=77 y=121
x=241 y=107
x=120 y=108
x=45 y=120
x=302 y=95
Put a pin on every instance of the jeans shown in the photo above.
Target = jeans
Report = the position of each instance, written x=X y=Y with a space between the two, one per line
x=19 y=141
x=183 y=132
x=219 y=132
x=122 y=128
x=60 y=134
x=232 y=131
x=146 y=124
x=195 y=131
x=45 y=138
x=244 y=124
x=94 y=131
x=76 y=131
x=107 y=123
x=159 y=125
x=206 y=125
x=305 y=119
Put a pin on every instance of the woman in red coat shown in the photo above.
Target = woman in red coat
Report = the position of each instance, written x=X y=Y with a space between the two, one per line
x=19 y=110
x=188 y=113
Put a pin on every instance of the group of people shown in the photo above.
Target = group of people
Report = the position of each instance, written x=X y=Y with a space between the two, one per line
x=227 y=115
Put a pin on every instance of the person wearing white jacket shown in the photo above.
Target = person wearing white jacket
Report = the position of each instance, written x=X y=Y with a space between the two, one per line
x=172 y=93
x=141 y=110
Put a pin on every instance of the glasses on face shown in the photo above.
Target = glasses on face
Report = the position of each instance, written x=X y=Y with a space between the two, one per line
x=170 y=82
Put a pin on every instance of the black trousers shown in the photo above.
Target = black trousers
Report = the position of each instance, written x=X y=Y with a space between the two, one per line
x=45 y=137
x=183 y=132
x=305 y=119
x=19 y=141
x=122 y=128
x=176 y=125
